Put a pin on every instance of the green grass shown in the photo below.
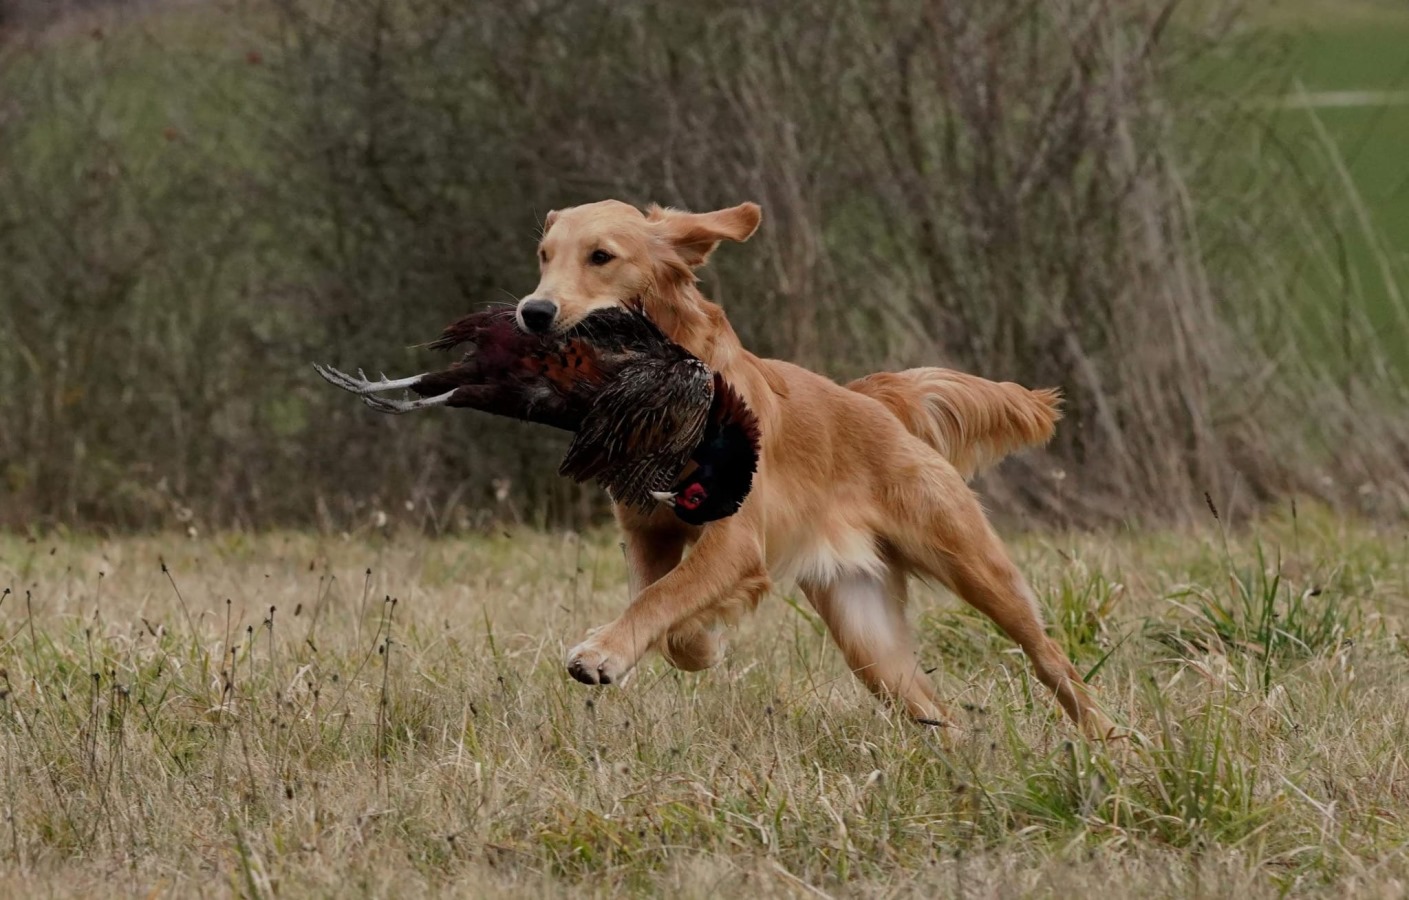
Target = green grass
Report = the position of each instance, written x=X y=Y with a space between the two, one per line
x=261 y=719
x=1349 y=154
x=1364 y=56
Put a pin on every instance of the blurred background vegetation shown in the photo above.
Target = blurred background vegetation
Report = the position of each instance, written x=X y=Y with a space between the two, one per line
x=1191 y=217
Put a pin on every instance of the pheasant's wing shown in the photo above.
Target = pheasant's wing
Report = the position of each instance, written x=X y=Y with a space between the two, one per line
x=642 y=427
x=651 y=407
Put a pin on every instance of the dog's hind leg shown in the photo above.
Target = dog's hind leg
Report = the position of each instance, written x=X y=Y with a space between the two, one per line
x=956 y=545
x=865 y=614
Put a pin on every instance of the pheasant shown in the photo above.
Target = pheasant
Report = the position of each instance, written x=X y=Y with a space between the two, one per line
x=652 y=422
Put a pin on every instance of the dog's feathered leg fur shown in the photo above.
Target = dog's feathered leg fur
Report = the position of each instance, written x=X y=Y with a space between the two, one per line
x=865 y=614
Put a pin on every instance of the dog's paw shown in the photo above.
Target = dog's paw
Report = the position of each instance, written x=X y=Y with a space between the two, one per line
x=594 y=662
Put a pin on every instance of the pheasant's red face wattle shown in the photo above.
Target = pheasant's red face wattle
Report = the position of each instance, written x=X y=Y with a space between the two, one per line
x=692 y=496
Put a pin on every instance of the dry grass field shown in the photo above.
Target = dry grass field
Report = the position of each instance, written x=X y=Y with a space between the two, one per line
x=1190 y=217
x=382 y=715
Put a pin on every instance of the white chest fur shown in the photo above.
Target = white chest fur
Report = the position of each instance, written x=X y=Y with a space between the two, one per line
x=822 y=554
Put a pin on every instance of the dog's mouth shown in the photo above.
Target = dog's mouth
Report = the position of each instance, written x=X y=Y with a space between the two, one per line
x=562 y=324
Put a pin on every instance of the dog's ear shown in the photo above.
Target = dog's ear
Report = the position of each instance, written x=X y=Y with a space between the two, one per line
x=695 y=235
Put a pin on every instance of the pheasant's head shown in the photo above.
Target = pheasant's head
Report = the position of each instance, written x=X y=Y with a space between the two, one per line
x=612 y=254
x=715 y=489
x=704 y=497
x=692 y=497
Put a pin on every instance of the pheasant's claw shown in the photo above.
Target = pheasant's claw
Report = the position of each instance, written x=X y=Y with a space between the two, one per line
x=385 y=404
x=397 y=407
x=339 y=379
x=362 y=385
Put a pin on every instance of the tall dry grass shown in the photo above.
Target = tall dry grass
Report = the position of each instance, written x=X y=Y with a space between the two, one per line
x=200 y=201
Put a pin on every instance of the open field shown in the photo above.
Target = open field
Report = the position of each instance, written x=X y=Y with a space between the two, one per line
x=197 y=200
x=235 y=725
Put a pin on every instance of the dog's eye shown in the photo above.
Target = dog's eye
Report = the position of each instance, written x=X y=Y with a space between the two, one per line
x=542 y=255
x=600 y=258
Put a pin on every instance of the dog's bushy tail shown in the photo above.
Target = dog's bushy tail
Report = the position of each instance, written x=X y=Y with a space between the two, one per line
x=972 y=421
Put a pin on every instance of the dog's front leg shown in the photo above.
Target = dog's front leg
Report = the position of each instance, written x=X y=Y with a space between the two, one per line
x=654 y=546
x=728 y=557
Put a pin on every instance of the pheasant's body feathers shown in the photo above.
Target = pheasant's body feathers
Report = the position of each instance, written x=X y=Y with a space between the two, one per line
x=642 y=406
x=635 y=447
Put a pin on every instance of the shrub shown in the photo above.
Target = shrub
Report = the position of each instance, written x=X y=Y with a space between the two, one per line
x=1019 y=190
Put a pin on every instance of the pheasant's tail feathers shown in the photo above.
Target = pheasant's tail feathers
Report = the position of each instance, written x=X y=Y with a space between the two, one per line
x=971 y=421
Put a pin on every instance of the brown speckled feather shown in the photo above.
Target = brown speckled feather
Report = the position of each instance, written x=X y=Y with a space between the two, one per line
x=642 y=428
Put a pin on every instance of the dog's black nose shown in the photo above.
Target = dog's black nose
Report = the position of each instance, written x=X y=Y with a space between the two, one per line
x=538 y=315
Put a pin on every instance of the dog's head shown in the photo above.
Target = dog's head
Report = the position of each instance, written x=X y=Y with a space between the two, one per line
x=612 y=254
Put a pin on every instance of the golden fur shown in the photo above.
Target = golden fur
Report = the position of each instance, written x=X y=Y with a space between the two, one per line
x=971 y=421
x=858 y=487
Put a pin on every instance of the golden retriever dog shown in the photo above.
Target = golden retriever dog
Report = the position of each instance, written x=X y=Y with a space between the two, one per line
x=858 y=487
